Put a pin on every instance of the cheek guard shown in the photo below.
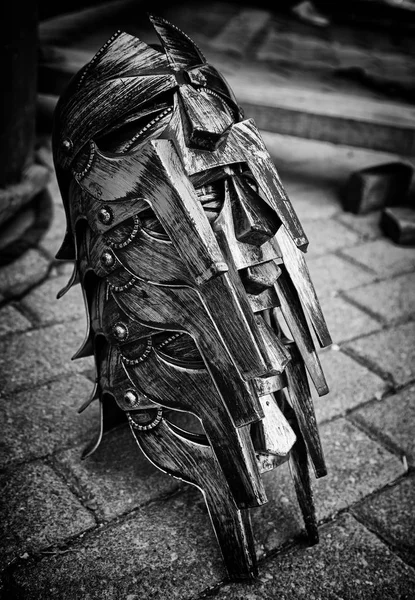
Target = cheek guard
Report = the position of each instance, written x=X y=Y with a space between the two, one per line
x=191 y=261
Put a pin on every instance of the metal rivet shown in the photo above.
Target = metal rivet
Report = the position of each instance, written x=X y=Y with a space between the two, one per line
x=120 y=331
x=131 y=397
x=67 y=145
x=105 y=215
x=108 y=259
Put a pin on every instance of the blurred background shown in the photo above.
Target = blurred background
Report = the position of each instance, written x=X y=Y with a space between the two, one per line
x=331 y=85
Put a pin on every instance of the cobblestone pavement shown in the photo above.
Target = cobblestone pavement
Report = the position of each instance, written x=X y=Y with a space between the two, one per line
x=113 y=527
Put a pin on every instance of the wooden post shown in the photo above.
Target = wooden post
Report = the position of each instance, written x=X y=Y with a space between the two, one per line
x=20 y=178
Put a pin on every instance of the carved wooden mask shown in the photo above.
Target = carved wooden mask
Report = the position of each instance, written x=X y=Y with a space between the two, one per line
x=191 y=260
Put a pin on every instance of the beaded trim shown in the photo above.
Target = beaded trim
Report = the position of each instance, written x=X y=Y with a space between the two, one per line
x=187 y=37
x=122 y=288
x=81 y=174
x=164 y=113
x=142 y=358
x=168 y=340
x=150 y=425
x=133 y=234
x=97 y=55
x=204 y=88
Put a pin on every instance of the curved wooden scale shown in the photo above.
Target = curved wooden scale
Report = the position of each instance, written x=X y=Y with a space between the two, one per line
x=195 y=463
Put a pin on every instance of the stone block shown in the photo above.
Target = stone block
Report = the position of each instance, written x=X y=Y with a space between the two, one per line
x=327 y=235
x=350 y=563
x=117 y=478
x=23 y=273
x=391 y=514
x=391 y=351
x=392 y=420
x=398 y=223
x=393 y=299
x=34 y=357
x=166 y=550
x=12 y=321
x=345 y=321
x=367 y=226
x=37 y=510
x=39 y=421
x=332 y=273
x=357 y=466
x=383 y=257
x=44 y=305
x=377 y=186
x=350 y=385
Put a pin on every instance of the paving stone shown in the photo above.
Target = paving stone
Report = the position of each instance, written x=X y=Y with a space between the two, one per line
x=166 y=551
x=23 y=273
x=345 y=321
x=350 y=563
x=350 y=385
x=327 y=235
x=384 y=257
x=12 y=321
x=391 y=514
x=34 y=357
x=312 y=200
x=37 y=510
x=43 y=303
x=392 y=299
x=39 y=421
x=357 y=466
x=367 y=226
x=117 y=477
x=393 y=419
x=332 y=273
x=391 y=350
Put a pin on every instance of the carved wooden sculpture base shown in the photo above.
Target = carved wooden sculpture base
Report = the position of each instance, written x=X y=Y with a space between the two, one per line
x=191 y=260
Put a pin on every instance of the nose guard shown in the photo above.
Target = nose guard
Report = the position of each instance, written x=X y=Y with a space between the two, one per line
x=189 y=253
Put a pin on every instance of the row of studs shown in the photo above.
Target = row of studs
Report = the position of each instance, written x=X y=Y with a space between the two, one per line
x=212 y=93
x=129 y=239
x=79 y=175
x=122 y=288
x=151 y=425
x=169 y=339
x=142 y=358
x=97 y=55
x=187 y=37
x=147 y=127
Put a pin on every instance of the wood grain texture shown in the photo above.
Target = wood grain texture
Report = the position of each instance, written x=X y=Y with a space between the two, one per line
x=156 y=175
x=180 y=309
x=181 y=52
x=244 y=255
x=193 y=390
x=196 y=464
x=300 y=398
x=186 y=244
x=204 y=119
x=297 y=270
x=298 y=462
x=273 y=434
x=266 y=176
x=297 y=324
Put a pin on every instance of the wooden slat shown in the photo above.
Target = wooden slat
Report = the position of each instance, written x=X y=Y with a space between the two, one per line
x=196 y=464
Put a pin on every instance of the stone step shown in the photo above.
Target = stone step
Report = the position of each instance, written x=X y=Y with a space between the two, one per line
x=311 y=113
